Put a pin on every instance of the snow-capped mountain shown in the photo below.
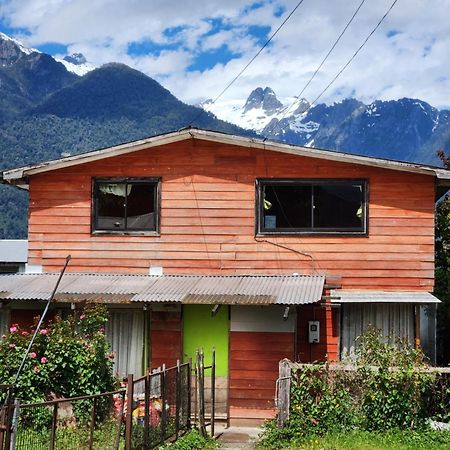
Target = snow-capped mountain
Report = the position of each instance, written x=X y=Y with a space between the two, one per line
x=77 y=64
x=405 y=129
x=12 y=51
x=261 y=107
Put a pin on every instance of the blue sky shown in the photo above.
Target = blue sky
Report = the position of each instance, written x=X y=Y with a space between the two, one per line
x=195 y=47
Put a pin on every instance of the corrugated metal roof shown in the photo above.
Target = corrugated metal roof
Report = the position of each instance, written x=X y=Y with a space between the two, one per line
x=206 y=289
x=343 y=296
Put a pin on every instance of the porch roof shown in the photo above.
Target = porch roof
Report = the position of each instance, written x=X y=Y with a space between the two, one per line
x=347 y=296
x=185 y=289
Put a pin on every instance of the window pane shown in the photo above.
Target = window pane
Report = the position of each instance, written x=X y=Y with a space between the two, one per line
x=111 y=206
x=338 y=206
x=141 y=206
x=287 y=206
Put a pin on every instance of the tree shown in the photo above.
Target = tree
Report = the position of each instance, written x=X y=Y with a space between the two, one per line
x=442 y=284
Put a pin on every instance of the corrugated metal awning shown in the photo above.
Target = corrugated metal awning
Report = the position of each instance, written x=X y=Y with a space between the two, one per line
x=187 y=289
x=343 y=296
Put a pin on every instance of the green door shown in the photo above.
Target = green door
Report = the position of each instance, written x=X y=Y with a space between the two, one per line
x=202 y=331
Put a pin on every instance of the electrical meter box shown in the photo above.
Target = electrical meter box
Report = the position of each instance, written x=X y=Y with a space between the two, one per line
x=313 y=331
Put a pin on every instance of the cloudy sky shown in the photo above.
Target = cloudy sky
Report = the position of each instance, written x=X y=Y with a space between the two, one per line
x=194 y=47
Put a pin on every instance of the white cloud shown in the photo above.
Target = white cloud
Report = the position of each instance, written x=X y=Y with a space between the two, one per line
x=412 y=63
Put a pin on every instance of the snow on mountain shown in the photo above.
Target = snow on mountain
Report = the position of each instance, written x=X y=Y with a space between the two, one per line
x=77 y=64
x=263 y=109
x=23 y=49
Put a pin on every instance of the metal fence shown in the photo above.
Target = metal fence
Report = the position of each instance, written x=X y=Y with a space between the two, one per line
x=151 y=410
x=161 y=406
x=88 y=422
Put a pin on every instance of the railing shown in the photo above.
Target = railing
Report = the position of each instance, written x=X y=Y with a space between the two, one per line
x=89 y=422
x=161 y=407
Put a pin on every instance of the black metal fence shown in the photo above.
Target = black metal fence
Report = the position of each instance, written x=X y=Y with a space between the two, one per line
x=151 y=410
x=88 y=422
x=161 y=406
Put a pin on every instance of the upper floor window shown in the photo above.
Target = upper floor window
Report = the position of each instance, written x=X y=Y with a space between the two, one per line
x=126 y=205
x=292 y=206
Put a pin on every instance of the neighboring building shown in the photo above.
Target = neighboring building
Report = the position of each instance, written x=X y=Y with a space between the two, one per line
x=13 y=259
x=260 y=249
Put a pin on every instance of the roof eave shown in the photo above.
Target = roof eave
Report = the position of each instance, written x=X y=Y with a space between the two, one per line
x=18 y=176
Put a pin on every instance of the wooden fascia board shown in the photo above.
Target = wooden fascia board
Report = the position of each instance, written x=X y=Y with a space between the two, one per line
x=322 y=154
x=14 y=176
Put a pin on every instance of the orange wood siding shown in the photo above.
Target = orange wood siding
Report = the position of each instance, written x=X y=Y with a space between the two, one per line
x=165 y=339
x=328 y=347
x=208 y=219
x=254 y=358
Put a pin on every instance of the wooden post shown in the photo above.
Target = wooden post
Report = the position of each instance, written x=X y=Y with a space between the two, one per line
x=283 y=392
x=177 y=400
x=129 y=418
x=417 y=326
x=147 y=411
x=15 y=424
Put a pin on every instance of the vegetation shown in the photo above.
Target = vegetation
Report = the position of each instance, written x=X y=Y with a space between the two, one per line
x=69 y=358
x=192 y=440
x=442 y=282
x=386 y=393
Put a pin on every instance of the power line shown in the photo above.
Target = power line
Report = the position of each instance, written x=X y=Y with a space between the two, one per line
x=325 y=58
x=350 y=60
x=251 y=61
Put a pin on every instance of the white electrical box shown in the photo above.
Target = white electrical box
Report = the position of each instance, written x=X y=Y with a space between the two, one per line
x=313 y=331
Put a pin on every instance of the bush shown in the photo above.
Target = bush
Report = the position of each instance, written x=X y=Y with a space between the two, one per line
x=68 y=358
x=386 y=391
x=192 y=440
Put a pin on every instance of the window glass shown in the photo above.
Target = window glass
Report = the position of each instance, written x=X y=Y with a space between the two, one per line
x=287 y=206
x=338 y=206
x=125 y=205
x=291 y=206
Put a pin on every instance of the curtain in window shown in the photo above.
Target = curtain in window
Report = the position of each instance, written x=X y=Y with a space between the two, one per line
x=126 y=335
x=393 y=319
x=4 y=321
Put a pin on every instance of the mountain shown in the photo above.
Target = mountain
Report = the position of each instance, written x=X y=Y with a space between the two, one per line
x=47 y=109
x=405 y=129
x=50 y=107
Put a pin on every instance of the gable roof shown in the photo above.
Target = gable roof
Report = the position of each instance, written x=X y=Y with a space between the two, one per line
x=19 y=175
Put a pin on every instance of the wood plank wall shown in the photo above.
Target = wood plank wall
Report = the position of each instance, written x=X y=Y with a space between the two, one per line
x=207 y=219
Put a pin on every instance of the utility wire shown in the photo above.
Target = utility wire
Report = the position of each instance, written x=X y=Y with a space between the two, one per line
x=350 y=60
x=325 y=58
x=250 y=62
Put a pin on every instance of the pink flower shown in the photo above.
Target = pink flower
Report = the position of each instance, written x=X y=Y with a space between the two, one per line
x=12 y=345
x=44 y=331
x=36 y=369
x=82 y=316
x=43 y=360
x=24 y=333
x=32 y=355
x=13 y=329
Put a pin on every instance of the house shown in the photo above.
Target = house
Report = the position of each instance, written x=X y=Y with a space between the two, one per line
x=260 y=249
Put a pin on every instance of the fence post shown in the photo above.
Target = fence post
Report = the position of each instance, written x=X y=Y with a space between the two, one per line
x=129 y=417
x=92 y=425
x=163 y=404
x=54 y=421
x=189 y=388
x=15 y=423
x=119 y=422
x=283 y=392
x=177 y=400
x=147 y=410
x=213 y=390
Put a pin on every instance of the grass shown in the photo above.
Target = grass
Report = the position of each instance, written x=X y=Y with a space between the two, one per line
x=387 y=440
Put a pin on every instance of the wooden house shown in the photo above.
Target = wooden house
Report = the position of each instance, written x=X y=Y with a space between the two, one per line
x=260 y=249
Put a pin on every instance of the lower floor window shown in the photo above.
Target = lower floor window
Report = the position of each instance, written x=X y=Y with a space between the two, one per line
x=394 y=320
x=126 y=333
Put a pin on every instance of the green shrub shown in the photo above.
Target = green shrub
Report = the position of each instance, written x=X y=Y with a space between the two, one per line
x=386 y=391
x=68 y=358
x=192 y=440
